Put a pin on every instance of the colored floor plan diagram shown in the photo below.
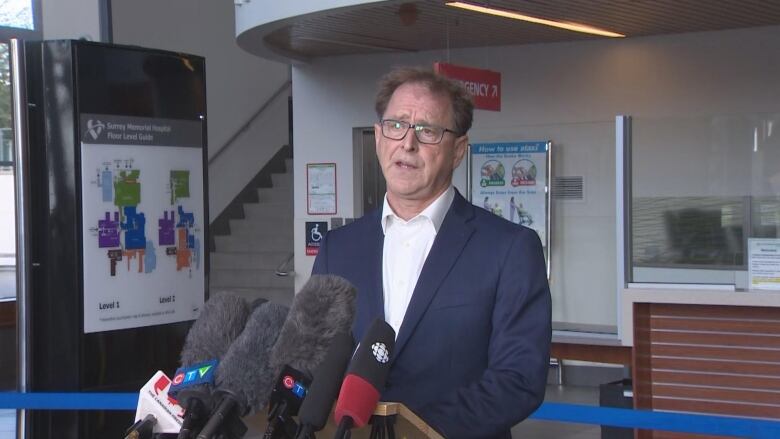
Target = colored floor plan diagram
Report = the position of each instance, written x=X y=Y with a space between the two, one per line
x=122 y=231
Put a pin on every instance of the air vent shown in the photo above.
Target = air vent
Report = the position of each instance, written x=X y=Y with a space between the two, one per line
x=567 y=188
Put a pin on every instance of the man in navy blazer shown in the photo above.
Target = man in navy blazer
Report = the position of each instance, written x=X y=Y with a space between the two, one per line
x=465 y=290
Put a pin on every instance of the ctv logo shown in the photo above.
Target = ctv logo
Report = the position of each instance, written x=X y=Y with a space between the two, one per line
x=202 y=373
x=186 y=377
x=296 y=387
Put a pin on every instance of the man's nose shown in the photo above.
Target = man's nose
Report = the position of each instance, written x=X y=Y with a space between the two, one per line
x=409 y=142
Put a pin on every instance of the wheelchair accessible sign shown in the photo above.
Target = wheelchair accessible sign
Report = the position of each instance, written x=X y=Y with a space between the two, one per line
x=315 y=231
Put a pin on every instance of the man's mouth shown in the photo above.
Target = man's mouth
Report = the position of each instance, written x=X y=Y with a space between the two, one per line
x=405 y=165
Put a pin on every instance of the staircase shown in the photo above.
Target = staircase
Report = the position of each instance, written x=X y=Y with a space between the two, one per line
x=244 y=260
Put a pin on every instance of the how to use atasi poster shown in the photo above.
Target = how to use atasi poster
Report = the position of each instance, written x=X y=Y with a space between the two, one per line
x=509 y=179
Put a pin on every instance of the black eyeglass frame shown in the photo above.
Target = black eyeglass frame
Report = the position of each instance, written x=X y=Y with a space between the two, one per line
x=416 y=132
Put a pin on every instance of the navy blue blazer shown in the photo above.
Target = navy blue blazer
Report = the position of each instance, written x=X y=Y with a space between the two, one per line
x=473 y=350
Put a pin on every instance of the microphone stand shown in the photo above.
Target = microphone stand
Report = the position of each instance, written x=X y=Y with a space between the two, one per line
x=344 y=430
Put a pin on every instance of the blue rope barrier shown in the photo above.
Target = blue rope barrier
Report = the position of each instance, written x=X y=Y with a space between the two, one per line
x=652 y=420
x=68 y=401
x=549 y=411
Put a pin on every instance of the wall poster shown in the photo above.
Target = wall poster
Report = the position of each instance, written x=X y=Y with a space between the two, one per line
x=142 y=221
x=764 y=263
x=321 y=188
x=510 y=180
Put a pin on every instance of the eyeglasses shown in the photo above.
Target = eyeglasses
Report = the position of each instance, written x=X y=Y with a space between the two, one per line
x=397 y=129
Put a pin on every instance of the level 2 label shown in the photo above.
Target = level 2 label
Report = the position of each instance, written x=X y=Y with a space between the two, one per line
x=168 y=299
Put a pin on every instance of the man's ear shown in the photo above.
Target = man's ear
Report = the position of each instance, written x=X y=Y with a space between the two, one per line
x=461 y=145
x=377 y=136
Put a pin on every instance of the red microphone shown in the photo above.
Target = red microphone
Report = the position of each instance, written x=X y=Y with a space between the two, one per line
x=365 y=379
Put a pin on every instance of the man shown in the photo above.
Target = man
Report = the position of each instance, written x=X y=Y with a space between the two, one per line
x=465 y=290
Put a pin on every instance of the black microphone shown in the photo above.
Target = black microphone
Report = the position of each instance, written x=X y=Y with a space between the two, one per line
x=244 y=376
x=220 y=322
x=366 y=378
x=324 y=308
x=325 y=386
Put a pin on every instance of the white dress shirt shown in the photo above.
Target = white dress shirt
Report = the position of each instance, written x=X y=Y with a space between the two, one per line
x=406 y=246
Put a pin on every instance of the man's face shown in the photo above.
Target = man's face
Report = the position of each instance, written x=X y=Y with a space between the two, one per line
x=418 y=172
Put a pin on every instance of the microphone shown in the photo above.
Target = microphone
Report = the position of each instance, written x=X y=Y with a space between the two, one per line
x=366 y=378
x=156 y=412
x=324 y=389
x=244 y=376
x=324 y=308
x=220 y=322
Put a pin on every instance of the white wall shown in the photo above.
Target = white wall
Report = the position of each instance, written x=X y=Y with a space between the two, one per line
x=237 y=83
x=72 y=19
x=569 y=93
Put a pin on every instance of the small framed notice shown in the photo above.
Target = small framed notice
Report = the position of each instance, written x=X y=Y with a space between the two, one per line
x=321 y=188
x=764 y=263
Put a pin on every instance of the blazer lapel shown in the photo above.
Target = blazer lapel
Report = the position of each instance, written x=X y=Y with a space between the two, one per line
x=450 y=240
x=372 y=256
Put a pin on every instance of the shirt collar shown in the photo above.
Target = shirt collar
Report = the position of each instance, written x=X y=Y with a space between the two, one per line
x=435 y=212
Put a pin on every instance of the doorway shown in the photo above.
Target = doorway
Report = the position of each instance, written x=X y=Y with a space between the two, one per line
x=369 y=183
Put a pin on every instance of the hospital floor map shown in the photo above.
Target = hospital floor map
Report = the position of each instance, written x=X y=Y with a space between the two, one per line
x=123 y=230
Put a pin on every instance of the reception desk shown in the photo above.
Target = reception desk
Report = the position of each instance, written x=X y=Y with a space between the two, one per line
x=699 y=351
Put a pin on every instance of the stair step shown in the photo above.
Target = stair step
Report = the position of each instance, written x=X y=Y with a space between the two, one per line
x=268 y=260
x=236 y=243
x=238 y=278
x=254 y=228
x=288 y=165
x=282 y=180
x=268 y=210
x=275 y=194
x=282 y=296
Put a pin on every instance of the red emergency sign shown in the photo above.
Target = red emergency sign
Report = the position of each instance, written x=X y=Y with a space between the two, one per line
x=484 y=85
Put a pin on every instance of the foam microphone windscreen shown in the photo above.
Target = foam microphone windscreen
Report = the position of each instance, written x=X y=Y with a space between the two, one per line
x=366 y=375
x=324 y=388
x=324 y=307
x=244 y=373
x=222 y=319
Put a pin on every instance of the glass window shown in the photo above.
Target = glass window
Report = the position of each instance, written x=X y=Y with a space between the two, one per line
x=17 y=14
x=701 y=188
x=7 y=206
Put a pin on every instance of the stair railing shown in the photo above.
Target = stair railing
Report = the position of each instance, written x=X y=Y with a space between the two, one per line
x=285 y=268
x=283 y=88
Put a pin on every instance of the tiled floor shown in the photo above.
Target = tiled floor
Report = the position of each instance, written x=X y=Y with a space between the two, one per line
x=533 y=429
x=529 y=429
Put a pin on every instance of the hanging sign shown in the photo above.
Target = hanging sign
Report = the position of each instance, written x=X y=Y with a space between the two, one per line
x=484 y=85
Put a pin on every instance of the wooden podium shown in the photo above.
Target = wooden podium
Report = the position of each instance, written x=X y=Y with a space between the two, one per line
x=401 y=423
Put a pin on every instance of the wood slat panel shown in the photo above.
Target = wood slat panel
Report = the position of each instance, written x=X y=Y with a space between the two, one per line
x=761 y=326
x=746 y=382
x=714 y=407
x=716 y=311
x=717 y=353
x=719 y=394
x=594 y=353
x=716 y=366
x=714 y=338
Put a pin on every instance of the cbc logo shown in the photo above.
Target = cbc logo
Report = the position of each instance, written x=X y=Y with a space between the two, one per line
x=380 y=352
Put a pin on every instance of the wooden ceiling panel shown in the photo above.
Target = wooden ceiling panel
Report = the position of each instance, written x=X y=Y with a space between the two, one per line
x=378 y=27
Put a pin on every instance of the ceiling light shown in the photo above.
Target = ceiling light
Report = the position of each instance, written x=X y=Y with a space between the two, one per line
x=518 y=16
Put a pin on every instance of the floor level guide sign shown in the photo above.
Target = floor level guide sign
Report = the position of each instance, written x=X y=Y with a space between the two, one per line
x=142 y=220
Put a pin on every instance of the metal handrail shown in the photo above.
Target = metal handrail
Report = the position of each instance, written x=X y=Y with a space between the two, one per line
x=246 y=124
x=283 y=268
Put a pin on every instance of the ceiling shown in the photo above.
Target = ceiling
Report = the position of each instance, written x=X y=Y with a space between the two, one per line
x=409 y=26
